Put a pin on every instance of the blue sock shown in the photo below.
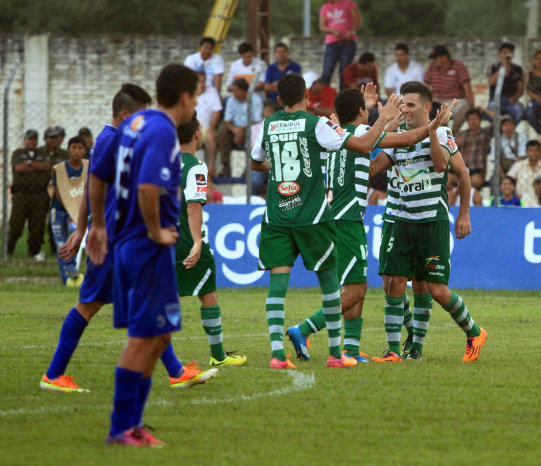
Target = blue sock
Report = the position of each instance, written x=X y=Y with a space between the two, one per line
x=144 y=390
x=125 y=401
x=170 y=361
x=71 y=332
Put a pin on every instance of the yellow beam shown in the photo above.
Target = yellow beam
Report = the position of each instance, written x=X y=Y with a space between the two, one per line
x=219 y=21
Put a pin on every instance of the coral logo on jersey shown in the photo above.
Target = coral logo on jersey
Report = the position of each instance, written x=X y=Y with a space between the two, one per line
x=288 y=188
x=137 y=123
x=291 y=126
x=165 y=174
x=413 y=180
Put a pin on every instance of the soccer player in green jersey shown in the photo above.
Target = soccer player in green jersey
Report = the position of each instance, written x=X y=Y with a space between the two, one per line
x=292 y=144
x=195 y=265
x=421 y=232
x=347 y=182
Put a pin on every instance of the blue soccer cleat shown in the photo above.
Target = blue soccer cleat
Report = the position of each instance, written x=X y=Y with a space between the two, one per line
x=299 y=342
x=358 y=357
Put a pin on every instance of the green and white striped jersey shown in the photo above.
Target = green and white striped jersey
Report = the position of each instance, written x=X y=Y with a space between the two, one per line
x=347 y=179
x=423 y=192
x=296 y=145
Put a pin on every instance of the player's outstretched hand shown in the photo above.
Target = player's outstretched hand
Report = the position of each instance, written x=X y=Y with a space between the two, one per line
x=334 y=118
x=71 y=248
x=96 y=247
x=165 y=236
x=370 y=93
x=462 y=226
x=194 y=256
x=391 y=109
x=443 y=115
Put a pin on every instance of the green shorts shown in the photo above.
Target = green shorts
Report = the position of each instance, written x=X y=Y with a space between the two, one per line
x=387 y=239
x=422 y=249
x=351 y=252
x=279 y=246
x=200 y=279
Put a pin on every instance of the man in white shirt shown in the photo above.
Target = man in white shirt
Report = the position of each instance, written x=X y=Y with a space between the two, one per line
x=402 y=71
x=513 y=144
x=204 y=60
x=247 y=67
x=209 y=108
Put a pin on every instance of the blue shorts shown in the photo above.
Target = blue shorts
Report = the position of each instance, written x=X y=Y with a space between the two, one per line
x=145 y=288
x=98 y=282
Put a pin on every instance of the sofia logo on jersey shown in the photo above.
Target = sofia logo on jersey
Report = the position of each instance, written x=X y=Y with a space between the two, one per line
x=288 y=188
x=291 y=126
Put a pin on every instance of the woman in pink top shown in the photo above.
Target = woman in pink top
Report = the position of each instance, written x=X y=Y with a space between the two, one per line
x=339 y=19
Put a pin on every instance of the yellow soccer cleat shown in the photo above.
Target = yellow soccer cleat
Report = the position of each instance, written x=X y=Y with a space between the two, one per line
x=192 y=376
x=231 y=359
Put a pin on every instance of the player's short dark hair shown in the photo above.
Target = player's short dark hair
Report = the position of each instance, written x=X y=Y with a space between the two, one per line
x=244 y=48
x=186 y=131
x=417 y=87
x=76 y=140
x=533 y=143
x=173 y=81
x=507 y=45
x=347 y=104
x=477 y=171
x=511 y=179
x=281 y=44
x=130 y=97
x=402 y=46
x=291 y=89
x=367 y=57
x=276 y=107
x=241 y=83
x=474 y=111
x=208 y=40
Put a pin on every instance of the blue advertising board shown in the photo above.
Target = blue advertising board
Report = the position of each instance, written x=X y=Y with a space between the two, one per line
x=502 y=252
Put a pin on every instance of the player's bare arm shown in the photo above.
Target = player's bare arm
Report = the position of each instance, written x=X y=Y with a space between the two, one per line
x=148 y=198
x=462 y=224
x=379 y=164
x=195 y=221
x=71 y=248
x=364 y=143
x=97 y=236
x=439 y=155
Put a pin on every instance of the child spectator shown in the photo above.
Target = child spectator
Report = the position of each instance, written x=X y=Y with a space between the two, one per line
x=508 y=197
x=67 y=188
x=525 y=171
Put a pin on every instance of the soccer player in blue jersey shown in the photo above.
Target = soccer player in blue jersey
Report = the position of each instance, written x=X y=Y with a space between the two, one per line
x=144 y=163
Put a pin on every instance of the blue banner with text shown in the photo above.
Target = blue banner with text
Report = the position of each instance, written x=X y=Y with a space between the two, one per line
x=502 y=252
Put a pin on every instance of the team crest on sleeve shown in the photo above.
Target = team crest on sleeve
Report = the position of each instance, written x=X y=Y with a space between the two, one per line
x=336 y=128
x=137 y=123
x=200 y=179
x=450 y=140
x=165 y=174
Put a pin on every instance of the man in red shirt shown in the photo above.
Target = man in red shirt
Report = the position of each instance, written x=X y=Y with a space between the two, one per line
x=362 y=73
x=449 y=79
x=320 y=96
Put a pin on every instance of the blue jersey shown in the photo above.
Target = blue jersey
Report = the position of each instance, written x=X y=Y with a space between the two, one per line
x=145 y=150
x=103 y=142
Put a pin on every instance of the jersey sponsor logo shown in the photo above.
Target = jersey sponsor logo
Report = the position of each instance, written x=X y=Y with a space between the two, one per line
x=291 y=126
x=342 y=171
x=200 y=179
x=450 y=140
x=412 y=181
x=165 y=174
x=201 y=189
x=137 y=123
x=288 y=188
x=288 y=204
x=336 y=128
x=307 y=170
x=432 y=264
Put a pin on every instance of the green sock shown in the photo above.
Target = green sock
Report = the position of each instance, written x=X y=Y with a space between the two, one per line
x=422 y=308
x=275 y=313
x=459 y=312
x=394 y=318
x=352 y=335
x=313 y=324
x=331 y=306
x=408 y=317
x=212 y=323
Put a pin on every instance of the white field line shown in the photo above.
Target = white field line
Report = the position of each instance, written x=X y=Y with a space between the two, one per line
x=299 y=381
x=186 y=338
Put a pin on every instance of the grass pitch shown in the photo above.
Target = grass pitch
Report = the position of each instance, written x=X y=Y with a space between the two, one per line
x=438 y=411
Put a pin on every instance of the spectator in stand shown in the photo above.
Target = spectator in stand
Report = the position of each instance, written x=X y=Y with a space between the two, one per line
x=62 y=133
x=213 y=196
x=282 y=66
x=320 y=96
x=513 y=83
x=403 y=70
x=247 y=67
x=533 y=88
x=454 y=192
x=209 y=110
x=234 y=130
x=339 y=19
x=450 y=79
x=474 y=142
x=513 y=144
x=86 y=135
x=361 y=73
x=210 y=63
x=30 y=201
x=67 y=187
x=533 y=200
x=507 y=198
x=527 y=170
